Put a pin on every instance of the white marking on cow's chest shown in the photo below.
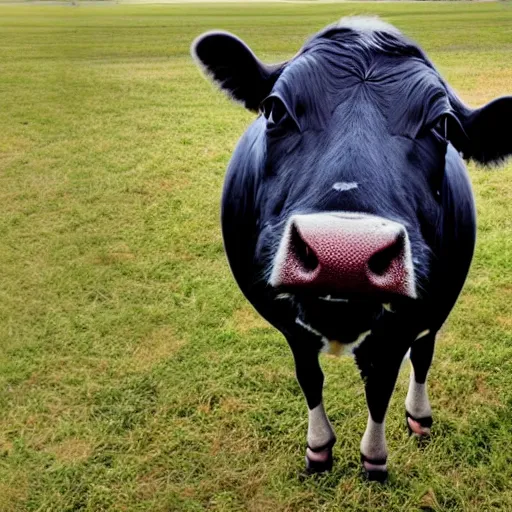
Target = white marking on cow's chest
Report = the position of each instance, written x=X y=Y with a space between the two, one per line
x=343 y=186
x=336 y=348
x=422 y=334
x=312 y=330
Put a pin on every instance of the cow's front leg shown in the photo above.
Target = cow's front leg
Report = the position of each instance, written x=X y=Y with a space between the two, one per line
x=379 y=371
x=321 y=437
x=417 y=406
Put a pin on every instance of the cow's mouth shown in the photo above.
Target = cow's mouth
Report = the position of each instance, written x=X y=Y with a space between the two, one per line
x=330 y=298
x=336 y=317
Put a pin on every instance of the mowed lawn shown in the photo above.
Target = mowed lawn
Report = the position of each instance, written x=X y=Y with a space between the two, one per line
x=133 y=374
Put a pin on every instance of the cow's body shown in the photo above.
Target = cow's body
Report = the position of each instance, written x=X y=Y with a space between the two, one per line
x=357 y=149
x=452 y=241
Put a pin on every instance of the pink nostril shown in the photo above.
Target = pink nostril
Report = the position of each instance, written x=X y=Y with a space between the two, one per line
x=345 y=253
x=383 y=260
x=305 y=257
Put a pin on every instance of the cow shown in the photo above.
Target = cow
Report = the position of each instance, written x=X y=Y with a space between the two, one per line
x=347 y=215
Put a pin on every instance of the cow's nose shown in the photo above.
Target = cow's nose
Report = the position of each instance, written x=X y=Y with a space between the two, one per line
x=345 y=253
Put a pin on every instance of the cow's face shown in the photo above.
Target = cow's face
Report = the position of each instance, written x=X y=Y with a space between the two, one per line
x=349 y=154
x=354 y=156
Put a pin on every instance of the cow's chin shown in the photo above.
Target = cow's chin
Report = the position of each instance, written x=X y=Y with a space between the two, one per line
x=336 y=317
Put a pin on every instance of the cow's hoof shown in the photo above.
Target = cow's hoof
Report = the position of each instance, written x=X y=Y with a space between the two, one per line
x=314 y=467
x=318 y=460
x=418 y=427
x=374 y=470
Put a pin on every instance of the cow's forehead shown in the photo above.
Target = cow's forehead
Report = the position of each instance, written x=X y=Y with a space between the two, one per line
x=355 y=46
x=401 y=86
x=363 y=33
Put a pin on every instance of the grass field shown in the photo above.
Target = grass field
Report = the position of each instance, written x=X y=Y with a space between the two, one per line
x=133 y=374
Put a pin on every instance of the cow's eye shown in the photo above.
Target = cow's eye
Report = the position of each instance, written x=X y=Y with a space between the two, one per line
x=277 y=114
x=274 y=111
x=441 y=127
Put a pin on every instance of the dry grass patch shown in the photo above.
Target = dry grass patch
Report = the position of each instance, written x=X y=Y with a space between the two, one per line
x=159 y=345
x=14 y=493
x=71 y=450
x=245 y=319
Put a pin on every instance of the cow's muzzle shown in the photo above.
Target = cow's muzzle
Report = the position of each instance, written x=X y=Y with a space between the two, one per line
x=345 y=253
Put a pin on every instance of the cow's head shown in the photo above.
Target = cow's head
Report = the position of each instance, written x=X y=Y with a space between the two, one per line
x=352 y=142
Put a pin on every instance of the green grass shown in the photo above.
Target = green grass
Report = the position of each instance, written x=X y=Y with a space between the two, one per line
x=133 y=374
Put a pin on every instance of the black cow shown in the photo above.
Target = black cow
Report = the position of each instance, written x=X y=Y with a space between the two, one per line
x=347 y=214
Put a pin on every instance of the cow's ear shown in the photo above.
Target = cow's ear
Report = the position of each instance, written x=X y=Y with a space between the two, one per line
x=486 y=137
x=231 y=64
